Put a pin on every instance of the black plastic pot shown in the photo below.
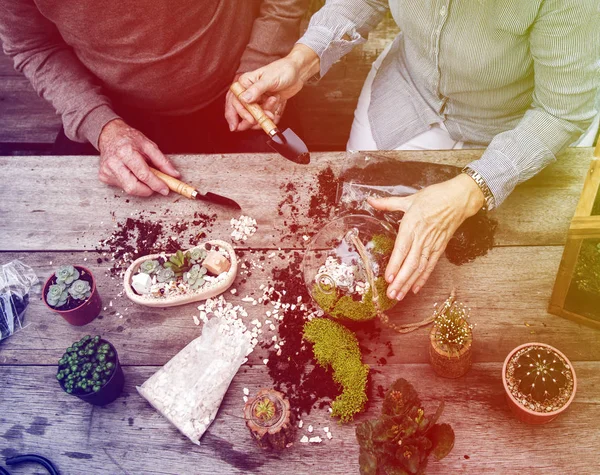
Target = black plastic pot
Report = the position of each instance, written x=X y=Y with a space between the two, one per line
x=111 y=390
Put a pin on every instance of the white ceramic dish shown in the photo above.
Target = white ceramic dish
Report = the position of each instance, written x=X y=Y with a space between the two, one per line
x=211 y=291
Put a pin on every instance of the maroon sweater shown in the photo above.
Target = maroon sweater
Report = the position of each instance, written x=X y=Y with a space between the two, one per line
x=168 y=56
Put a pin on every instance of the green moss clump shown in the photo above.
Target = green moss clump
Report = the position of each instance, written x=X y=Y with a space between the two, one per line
x=587 y=270
x=356 y=310
x=336 y=346
x=382 y=244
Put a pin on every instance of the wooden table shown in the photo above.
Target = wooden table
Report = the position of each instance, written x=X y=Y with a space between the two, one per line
x=54 y=211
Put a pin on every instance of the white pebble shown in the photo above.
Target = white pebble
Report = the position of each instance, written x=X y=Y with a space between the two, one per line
x=196 y=320
x=304 y=439
x=266 y=360
x=325 y=429
x=310 y=428
x=329 y=436
x=300 y=424
x=245 y=398
x=246 y=391
x=315 y=440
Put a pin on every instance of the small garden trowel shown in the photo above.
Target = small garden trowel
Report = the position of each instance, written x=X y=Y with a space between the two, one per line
x=286 y=143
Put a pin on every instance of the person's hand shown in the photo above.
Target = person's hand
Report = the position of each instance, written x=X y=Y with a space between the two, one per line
x=239 y=119
x=271 y=86
x=431 y=216
x=124 y=156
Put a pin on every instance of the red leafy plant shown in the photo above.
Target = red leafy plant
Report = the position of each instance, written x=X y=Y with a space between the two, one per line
x=400 y=441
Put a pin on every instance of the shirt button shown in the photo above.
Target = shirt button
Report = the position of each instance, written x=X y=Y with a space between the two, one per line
x=443 y=10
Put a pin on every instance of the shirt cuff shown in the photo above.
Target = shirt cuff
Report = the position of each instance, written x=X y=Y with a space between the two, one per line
x=329 y=43
x=94 y=121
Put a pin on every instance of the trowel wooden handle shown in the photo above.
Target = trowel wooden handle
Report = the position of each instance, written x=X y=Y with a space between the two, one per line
x=175 y=185
x=257 y=112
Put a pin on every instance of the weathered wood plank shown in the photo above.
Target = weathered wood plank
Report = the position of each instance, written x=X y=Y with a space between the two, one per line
x=508 y=301
x=41 y=197
x=128 y=436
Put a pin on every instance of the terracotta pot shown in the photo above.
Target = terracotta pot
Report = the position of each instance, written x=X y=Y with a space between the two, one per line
x=450 y=364
x=86 y=312
x=525 y=414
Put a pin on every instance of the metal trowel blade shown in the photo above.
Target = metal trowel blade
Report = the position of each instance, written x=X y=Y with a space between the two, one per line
x=288 y=144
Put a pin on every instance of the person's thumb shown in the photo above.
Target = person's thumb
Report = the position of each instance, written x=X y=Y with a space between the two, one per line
x=393 y=203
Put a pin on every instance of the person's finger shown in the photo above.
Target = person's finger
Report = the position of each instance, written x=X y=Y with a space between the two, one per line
x=139 y=167
x=127 y=180
x=255 y=91
x=433 y=260
x=231 y=115
x=107 y=178
x=409 y=266
x=393 y=203
x=402 y=247
x=244 y=114
x=423 y=263
x=158 y=159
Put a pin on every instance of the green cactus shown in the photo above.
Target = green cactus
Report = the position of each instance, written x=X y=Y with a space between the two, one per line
x=66 y=275
x=80 y=290
x=57 y=295
x=195 y=277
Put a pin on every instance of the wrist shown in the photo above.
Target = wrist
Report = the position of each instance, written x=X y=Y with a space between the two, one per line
x=474 y=195
x=305 y=60
x=109 y=128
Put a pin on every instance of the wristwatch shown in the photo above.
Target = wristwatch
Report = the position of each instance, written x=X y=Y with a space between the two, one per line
x=485 y=189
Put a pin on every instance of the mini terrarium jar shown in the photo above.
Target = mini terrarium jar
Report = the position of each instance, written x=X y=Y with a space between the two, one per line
x=451 y=340
x=72 y=293
x=269 y=419
x=344 y=268
x=90 y=370
x=539 y=382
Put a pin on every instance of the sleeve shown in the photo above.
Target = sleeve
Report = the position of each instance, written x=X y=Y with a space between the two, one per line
x=341 y=25
x=274 y=33
x=39 y=52
x=565 y=45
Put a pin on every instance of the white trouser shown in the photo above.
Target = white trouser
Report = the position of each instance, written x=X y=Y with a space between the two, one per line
x=361 y=138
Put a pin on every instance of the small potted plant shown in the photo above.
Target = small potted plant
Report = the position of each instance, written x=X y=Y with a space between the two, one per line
x=451 y=340
x=90 y=370
x=71 y=292
x=268 y=417
x=539 y=382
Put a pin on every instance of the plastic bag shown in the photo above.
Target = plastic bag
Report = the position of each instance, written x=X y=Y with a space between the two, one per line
x=16 y=281
x=375 y=175
x=188 y=390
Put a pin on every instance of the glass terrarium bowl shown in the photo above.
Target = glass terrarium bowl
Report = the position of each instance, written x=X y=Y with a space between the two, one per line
x=335 y=272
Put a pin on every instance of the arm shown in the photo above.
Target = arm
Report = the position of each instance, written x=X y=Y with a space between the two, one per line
x=333 y=31
x=273 y=34
x=39 y=52
x=565 y=45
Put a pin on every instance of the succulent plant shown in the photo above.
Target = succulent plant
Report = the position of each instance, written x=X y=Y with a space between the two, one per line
x=264 y=409
x=66 y=275
x=197 y=255
x=179 y=263
x=80 y=290
x=195 y=276
x=149 y=267
x=166 y=274
x=86 y=365
x=57 y=295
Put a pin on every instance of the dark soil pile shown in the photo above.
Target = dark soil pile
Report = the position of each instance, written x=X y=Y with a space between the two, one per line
x=295 y=372
x=142 y=235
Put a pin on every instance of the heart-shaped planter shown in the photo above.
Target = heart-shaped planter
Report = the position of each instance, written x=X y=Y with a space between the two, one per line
x=211 y=289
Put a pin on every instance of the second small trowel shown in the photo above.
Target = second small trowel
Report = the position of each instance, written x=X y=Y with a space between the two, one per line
x=286 y=143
